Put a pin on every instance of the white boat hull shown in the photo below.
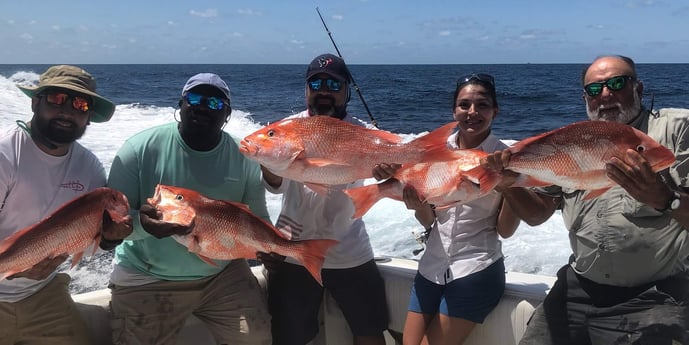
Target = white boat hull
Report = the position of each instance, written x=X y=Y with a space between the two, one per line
x=505 y=325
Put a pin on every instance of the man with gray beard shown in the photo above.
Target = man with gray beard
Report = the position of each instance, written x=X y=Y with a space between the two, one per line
x=627 y=280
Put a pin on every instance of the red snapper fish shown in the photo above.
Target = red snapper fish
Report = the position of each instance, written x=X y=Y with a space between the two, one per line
x=441 y=183
x=227 y=230
x=574 y=156
x=321 y=150
x=71 y=229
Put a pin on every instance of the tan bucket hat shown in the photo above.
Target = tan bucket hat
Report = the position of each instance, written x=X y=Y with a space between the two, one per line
x=75 y=79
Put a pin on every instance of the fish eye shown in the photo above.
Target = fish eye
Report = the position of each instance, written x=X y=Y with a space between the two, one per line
x=271 y=133
x=640 y=148
x=179 y=197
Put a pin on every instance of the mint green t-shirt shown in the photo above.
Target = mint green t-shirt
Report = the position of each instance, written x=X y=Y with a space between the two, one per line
x=160 y=156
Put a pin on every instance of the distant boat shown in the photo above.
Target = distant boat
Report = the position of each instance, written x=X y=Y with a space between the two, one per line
x=505 y=325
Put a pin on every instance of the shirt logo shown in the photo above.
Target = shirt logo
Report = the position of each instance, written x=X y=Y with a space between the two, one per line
x=75 y=186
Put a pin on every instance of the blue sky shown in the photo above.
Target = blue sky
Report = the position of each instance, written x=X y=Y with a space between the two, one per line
x=366 y=31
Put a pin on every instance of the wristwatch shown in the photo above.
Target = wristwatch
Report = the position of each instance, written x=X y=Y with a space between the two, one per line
x=675 y=200
x=673 y=203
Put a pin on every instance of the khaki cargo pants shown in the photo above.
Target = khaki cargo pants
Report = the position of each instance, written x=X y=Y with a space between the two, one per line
x=231 y=304
x=49 y=317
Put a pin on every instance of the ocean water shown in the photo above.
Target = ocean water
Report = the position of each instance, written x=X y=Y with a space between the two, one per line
x=405 y=99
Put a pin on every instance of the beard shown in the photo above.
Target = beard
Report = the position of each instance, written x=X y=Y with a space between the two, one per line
x=53 y=131
x=625 y=114
x=325 y=105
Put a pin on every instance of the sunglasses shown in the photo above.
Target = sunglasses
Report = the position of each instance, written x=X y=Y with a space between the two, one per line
x=482 y=77
x=332 y=84
x=212 y=103
x=59 y=98
x=614 y=84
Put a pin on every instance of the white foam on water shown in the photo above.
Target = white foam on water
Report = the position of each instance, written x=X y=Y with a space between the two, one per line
x=542 y=249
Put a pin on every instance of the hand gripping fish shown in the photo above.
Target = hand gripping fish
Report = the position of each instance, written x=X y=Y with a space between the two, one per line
x=71 y=229
x=227 y=230
x=441 y=183
x=574 y=156
x=323 y=151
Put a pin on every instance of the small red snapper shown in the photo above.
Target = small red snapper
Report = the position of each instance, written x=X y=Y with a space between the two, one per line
x=227 y=230
x=574 y=156
x=441 y=183
x=71 y=229
x=322 y=150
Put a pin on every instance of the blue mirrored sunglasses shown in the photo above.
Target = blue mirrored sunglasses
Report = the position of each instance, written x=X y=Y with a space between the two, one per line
x=486 y=78
x=212 y=103
x=332 y=84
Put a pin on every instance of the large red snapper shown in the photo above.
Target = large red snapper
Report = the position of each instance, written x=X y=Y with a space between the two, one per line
x=227 y=230
x=441 y=183
x=71 y=229
x=322 y=150
x=575 y=156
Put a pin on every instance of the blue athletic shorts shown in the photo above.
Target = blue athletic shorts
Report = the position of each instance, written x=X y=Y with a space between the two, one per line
x=471 y=298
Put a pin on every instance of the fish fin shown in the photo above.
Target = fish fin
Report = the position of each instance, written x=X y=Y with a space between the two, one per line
x=76 y=258
x=435 y=141
x=363 y=198
x=323 y=162
x=115 y=216
x=487 y=179
x=313 y=254
x=519 y=145
x=4 y=275
x=207 y=260
x=268 y=224
x=594 y=193
x=524 y=180
x=320 y=189
x=387 y=136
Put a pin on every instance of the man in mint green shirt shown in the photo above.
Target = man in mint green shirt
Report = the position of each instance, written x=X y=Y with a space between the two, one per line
x=156 y=282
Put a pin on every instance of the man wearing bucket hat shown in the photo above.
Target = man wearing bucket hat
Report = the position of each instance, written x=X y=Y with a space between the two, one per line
x=42 y=167
x=194 y=153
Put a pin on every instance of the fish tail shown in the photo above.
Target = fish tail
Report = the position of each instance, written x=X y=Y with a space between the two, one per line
x=363 y=198
x=313 y=255
x=76 y=258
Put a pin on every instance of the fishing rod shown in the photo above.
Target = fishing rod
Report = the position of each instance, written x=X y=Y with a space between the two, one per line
x=356 y=87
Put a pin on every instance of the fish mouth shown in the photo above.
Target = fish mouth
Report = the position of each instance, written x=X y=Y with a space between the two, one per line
x=247 y=148
x=665 y=158
x=155 y=199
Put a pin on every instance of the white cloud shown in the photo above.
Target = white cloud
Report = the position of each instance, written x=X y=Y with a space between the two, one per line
x=26 y=37
x=10 y=21
x=444 y=33
x=527 y=36
x=298 y=42
x=337 y=17
x=209 y=13
x=170 y=22
x=237 y=34
x=56 y=28
x=248 y=12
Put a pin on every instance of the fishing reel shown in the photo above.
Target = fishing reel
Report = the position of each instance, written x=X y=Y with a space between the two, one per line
x=421 y=238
